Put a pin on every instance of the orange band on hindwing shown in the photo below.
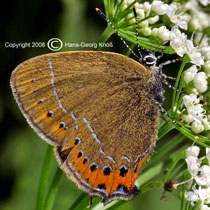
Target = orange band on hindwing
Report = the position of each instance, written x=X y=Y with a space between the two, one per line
x=127 y=180
x=135 y=175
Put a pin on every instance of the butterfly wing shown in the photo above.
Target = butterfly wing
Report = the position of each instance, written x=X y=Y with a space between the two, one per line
x=94 y=108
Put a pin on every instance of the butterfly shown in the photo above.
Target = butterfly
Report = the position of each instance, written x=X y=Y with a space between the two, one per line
x=100 y=112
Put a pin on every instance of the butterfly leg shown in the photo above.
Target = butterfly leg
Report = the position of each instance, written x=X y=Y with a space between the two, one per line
x=165 y=112
x=168 y=77
x=166 y=121
x=161 y=55
x=170 y=86
x=167 y=63
x=90 y=202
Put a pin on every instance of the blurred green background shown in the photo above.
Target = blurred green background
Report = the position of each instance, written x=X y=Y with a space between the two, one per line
x=21 y=150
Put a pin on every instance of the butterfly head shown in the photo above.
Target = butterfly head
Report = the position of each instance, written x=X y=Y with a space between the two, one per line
x=148 y=58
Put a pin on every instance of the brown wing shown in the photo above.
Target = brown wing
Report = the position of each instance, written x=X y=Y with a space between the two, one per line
x=94 y=107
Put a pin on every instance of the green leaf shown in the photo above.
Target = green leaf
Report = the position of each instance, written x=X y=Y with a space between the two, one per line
x=53 y=189
x=44 y=178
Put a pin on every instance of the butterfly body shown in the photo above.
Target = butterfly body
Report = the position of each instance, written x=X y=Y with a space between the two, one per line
x=98 y=110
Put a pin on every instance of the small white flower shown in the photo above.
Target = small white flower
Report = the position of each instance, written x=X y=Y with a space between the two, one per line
x=146 y=7
x=140 y=14
x=131 y=15
x=163 y=33
x=197 y=127
x=204 y=194
x=190 y=74
x=190 y=99
x=159 y=7
x=204 y=207
x=153 y=20
x=205 y=51
x=193 y=90
x=206 y=124
x=144 y=24
x=172 y=9
x=191 y=5
x=192 y=197
x=193 y=53
x=205 y=170
x=178 y=40
x=188 y=118
x=197 y=113
x=182 y=46
x=155 y=32
x=193 y=151
x=204 y=2
x=200 y=82
x=203 y=177
x=193 y=165
x=200 y=20
x=137 y=5
x=146 y=31
x=176 y=18
x=199 y=109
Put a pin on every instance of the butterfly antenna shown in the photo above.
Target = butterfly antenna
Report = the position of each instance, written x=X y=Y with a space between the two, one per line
x=137 y=33
x=110 y=23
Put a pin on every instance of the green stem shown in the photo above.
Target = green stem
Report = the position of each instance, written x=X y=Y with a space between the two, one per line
x=166 y=149
x=191 y=136
x=165 y=129
x=150 y=186
x=150 y=173
x=53 y=189
x=105 y=35
x=81 y=202
x=44 y=178
x=107 y=7
x=180 y=156
x=175 y=94
x=183 y=200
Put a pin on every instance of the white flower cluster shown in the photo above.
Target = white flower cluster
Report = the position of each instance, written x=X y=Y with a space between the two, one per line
x=197 y=80
x=144 y=11
x=181 y=16
x=189 y=16
x=197 y=76
x=200 y=174
x=182 y=46
x=196 y=116
x=199 y=20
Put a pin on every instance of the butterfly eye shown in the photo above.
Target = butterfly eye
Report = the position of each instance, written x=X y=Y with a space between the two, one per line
x=149 y=60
